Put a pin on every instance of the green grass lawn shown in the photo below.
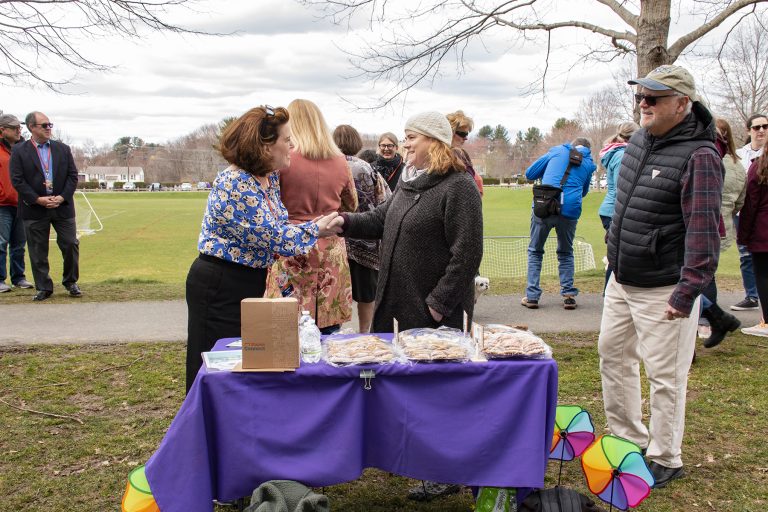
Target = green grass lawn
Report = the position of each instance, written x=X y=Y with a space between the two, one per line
x=149 y=240
x=116 y=401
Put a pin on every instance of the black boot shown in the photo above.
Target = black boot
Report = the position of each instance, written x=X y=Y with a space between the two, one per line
x=721 y=323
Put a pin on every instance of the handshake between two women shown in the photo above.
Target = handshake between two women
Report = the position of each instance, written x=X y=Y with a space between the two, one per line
x=329 y=225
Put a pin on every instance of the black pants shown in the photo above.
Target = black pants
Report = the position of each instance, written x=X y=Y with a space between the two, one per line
x=38 y=232
x=608 y=271
x=760 y=267
x=214 y=291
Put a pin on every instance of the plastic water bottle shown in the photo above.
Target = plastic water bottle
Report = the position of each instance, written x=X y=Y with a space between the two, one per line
x=309 y=339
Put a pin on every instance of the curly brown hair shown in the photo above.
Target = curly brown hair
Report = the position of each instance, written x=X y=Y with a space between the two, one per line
x=245 y=141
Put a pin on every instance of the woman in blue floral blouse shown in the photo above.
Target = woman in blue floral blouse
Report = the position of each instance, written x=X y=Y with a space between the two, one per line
x=245 y=225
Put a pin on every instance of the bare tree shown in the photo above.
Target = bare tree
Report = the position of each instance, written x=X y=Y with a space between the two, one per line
x=407 y=60
x=38 y=38
x=742 y=74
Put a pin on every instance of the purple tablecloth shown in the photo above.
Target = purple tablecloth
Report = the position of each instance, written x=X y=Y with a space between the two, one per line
x=485 y=424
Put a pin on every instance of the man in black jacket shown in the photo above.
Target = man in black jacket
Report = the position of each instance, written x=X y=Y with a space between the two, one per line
x=43 y=172
x=663 y=246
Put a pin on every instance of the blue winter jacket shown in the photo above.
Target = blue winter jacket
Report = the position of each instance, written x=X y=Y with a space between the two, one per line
x=551 y=167
x=612 y=163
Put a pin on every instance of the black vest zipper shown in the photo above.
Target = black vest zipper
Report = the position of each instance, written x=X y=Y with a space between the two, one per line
x=626 y=204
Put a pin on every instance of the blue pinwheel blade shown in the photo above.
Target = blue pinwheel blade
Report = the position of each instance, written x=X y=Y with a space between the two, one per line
x=634 y=464
x=582 y=422
x=562 y=451
x=614 y=495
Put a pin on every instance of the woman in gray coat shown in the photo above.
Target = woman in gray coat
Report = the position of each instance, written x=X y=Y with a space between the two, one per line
x=431 y=231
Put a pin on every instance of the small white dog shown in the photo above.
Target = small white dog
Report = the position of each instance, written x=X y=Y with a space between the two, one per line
x=482 y=285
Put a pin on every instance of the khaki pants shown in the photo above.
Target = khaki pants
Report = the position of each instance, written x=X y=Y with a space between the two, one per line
x=634 y=329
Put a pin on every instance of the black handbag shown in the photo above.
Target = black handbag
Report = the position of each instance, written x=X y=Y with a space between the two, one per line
x=546 y=198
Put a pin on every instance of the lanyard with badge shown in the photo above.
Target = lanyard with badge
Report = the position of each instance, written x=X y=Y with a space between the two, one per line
x=45 y=163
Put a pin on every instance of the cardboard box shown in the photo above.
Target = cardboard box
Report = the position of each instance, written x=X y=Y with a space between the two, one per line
x=270 y=332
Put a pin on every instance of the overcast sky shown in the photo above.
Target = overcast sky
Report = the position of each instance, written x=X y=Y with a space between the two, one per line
x=165 y=86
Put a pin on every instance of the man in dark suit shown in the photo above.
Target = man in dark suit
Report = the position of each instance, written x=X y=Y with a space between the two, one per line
x=44 y=174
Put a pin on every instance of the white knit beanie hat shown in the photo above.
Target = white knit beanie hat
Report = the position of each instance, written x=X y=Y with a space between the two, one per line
x=432 y=124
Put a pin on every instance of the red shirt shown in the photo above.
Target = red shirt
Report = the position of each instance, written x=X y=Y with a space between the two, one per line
x=8 y=194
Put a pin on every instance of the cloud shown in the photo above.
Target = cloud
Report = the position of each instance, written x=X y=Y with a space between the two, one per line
x=263 y=18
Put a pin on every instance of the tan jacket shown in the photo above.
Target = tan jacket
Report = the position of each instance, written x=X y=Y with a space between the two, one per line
x=734 y=185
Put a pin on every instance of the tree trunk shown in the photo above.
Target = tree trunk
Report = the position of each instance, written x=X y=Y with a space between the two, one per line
x=652 y=35
x=652 y=38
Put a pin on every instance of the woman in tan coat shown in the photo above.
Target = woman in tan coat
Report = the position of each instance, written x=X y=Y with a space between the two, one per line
x=317 y=181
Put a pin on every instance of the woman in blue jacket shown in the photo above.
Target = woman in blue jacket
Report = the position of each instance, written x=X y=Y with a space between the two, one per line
x=610 y=158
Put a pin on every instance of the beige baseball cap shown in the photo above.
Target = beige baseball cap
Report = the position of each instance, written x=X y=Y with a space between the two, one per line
x=9 y=120
x=669 y=77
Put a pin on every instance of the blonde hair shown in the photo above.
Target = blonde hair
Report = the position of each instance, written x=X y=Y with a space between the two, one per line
x=460 y=121
x=310 y=133
x=623 y=133
x=442 y=158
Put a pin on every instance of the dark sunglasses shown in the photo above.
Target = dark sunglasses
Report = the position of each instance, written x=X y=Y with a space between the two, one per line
x=46 y=125
x=461 y=134
x=759 y=127
x=650 y=100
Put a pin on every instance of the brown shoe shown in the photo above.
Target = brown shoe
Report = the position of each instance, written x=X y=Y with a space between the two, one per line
x=530 y=303
x=569 y=302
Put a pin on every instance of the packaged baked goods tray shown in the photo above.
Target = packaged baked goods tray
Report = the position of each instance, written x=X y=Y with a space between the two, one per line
x=349 y=349
x=430 y=345
x=503 y=341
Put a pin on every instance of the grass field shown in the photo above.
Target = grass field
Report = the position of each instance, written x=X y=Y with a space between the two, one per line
x=149 y=241
x=115 y=402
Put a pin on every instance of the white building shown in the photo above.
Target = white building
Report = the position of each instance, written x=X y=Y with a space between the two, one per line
x=110 y=175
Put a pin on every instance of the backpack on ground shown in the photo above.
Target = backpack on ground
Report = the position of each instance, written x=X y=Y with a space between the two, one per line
x=558 y=499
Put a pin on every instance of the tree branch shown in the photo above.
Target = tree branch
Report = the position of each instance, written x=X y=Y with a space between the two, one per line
x=625 y=14
x=49 y=414
x=682 y=43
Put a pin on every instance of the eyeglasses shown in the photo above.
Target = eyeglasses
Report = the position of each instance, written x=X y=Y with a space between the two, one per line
x=387 y=146
x=759 y=127
x=45 y=126
x=461 y=134
x=650 y=100
x=17 y=128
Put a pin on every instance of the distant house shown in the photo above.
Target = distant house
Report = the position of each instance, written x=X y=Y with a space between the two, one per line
x=109 y=175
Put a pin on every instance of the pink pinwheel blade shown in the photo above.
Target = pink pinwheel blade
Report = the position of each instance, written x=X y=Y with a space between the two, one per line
x=635 y=489
x=579 y=442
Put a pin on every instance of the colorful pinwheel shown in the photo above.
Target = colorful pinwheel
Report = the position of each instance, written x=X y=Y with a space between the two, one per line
x=616 y=472
x=137 y=497
x=574 y=432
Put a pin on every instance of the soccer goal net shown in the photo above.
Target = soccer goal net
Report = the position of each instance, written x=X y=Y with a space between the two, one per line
x=507 y=256
x=88 y=221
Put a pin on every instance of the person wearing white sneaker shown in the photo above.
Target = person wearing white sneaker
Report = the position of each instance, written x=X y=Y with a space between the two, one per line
x=752 y=233
x=760 y=329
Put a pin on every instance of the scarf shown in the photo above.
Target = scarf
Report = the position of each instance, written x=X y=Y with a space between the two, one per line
x=388 y=167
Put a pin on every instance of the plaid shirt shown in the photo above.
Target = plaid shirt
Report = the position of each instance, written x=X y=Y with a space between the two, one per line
x=700 y=198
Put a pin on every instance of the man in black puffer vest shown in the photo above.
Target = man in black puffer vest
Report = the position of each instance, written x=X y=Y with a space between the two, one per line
x=663 y=246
